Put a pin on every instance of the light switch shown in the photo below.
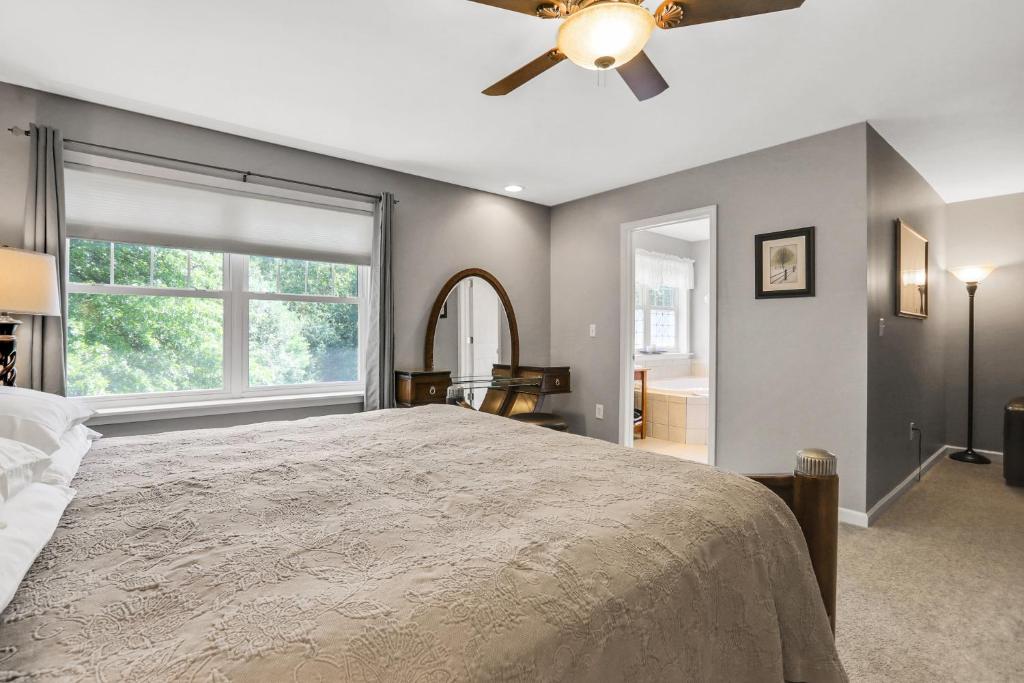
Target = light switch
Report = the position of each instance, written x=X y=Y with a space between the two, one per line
x=599 y=411
x=593 y=330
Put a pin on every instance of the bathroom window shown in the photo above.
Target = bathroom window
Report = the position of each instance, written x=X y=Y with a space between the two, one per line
x=660 y=317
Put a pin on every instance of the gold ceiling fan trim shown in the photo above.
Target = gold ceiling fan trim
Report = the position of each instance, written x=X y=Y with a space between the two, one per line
x=566 y=8
x=669 y=15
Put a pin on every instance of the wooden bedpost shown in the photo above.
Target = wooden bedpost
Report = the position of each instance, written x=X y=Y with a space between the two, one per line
x=816 y=506
x=812 y=493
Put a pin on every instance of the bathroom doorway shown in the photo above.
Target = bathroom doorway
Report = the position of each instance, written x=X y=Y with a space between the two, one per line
x=667 y=401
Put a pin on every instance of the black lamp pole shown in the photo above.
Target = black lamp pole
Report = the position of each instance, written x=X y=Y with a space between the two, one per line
x=970 y=455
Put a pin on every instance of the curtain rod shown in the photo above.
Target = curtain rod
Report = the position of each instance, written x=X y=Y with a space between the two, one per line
x=15 y=130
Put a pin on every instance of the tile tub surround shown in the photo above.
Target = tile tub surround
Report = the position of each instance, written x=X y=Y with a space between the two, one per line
x=677 y=418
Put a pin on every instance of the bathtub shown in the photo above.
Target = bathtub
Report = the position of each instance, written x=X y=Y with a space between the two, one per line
x=678 y=409
x=680 y=386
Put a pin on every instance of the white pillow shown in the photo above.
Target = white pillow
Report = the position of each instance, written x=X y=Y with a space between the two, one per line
x=38 y=419
x=26 y=524
x=20 y=465
x=68 y=458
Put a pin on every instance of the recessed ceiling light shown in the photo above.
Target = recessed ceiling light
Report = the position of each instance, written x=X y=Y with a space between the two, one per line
x=513 y=188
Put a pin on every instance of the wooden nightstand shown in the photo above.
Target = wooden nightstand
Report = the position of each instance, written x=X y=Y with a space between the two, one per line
x=420 y=388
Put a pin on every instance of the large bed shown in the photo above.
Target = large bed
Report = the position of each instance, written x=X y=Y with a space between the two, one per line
x=431 y=544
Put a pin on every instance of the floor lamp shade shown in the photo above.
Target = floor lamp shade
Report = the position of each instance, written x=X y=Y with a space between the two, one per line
x=28 y=286
x=28 y=283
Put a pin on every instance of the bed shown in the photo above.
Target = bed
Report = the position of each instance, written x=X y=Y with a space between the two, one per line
x=431 y=544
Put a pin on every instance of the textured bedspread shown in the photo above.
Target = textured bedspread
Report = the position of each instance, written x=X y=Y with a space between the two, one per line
x=425 y=545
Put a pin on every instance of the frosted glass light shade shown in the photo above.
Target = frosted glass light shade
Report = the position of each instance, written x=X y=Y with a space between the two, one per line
x=28 y=283
x=605 y=35
x=972 y=273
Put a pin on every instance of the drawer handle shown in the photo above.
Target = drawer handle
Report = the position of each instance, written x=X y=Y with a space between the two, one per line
x=433 y=391
x=558 y=382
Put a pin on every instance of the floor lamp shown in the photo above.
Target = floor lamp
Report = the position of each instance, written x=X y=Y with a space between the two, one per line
x=971 y=276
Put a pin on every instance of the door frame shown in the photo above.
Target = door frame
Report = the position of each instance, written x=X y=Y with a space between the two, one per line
x=626 y=320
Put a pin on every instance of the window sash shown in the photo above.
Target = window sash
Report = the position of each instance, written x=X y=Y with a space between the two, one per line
x=681 y=310
x=235 y=369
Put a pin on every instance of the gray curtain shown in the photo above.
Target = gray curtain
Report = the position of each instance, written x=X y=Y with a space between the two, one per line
x=380 y=343
x=46 y=231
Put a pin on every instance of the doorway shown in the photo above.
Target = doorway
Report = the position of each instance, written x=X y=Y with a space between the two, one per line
x=668 y=335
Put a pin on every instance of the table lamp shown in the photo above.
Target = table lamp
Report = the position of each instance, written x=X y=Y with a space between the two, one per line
x=28 y=286
x=971 y=276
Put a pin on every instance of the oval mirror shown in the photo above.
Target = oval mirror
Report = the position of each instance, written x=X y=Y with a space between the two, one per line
x=472 y=327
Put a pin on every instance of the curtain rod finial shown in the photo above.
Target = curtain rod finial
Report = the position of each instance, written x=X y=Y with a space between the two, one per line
x=15 y=130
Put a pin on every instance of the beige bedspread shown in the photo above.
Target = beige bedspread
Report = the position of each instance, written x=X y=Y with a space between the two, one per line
x=425 y=545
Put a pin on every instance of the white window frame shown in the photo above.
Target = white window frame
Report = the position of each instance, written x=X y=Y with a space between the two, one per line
x=235 y=296
x=682 y=311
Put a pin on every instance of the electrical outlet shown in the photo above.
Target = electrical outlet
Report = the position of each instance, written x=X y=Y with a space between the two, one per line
x=881 y=327
x=912 y=426
x=599 y=412
x=593 y=330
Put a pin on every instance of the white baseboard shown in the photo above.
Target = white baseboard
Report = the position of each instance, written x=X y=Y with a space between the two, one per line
x=853 y=518
x=866 y=519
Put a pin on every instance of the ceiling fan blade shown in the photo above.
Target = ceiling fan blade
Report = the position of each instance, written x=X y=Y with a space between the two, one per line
x=525 y=74
x=530 y=7
x=675 y=13
x=642 y=77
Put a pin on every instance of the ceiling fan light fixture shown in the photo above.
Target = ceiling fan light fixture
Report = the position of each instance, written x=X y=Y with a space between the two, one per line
x=605 y=35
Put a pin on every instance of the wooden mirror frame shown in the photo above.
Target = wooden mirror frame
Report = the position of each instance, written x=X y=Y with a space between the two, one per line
x=442 y=296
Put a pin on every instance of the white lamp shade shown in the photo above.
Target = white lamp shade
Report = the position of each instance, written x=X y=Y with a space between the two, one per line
x=28 y=283
x=972 y=273
x=615 y=30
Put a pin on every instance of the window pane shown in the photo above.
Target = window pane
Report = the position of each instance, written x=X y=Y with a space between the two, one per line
x=298 y=342
x=262 y=274
x=170 y=268
x=321 y=279
x=207 y=270
x=663 y=329
x=143 y=344
x=346 y=279
x=638 y=328
x=131 y=265
x=663 y=297
x=293 y=276
x=89 y=262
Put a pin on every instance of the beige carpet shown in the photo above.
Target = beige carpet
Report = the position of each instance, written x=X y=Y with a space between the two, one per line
x=935 y=590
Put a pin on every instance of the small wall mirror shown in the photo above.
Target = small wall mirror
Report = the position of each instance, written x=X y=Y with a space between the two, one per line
x=472 y=326
x=911 y=272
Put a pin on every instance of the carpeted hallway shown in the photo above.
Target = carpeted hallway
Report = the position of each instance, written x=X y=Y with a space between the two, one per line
x=935 y=590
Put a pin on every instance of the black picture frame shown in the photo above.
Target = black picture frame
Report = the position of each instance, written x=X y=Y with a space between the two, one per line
x=809 y=273
x=901 y=226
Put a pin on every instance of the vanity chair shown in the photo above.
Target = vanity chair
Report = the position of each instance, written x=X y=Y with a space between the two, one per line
x=471 y=356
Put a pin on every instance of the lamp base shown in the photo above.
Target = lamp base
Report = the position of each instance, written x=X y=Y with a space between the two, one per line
x=8 y=350
x=971 y=457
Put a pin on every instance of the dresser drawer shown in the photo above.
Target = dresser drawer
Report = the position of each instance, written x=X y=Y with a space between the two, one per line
x=556 y=381
x=430 y=392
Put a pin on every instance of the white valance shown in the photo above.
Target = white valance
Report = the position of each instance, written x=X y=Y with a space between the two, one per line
x=654 y=270
x=121 y=201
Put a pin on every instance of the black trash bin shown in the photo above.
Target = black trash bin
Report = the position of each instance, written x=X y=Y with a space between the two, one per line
x=1013 y=443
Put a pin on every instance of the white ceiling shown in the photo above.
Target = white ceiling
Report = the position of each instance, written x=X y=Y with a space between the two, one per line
x=397 y=84
x=691 y=231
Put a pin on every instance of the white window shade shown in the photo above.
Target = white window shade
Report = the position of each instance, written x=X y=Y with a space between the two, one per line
x=128 y=202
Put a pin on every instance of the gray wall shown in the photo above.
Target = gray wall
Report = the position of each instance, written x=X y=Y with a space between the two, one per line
x=791 y=373
x=906 y=365
x=986 y=231
x=439 y=228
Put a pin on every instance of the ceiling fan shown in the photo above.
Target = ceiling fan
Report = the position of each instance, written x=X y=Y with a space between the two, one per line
x=611 y=34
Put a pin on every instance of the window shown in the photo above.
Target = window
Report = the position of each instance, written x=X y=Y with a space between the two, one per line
x=658 y=316
x=148 y=320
